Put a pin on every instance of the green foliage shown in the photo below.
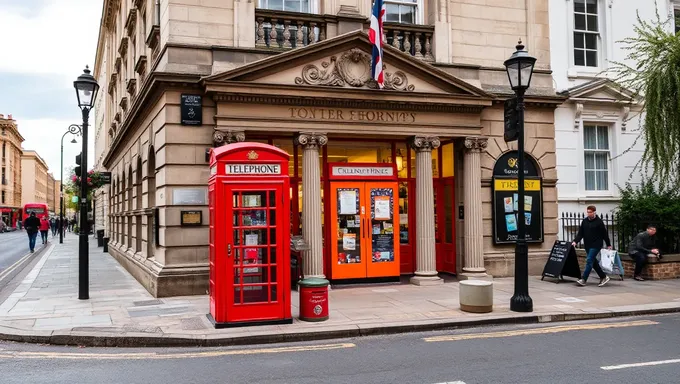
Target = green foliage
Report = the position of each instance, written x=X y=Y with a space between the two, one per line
x=654 y=76
x=650 y=203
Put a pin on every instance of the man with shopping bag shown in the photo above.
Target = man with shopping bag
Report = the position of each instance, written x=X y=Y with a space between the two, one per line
x=593 y=233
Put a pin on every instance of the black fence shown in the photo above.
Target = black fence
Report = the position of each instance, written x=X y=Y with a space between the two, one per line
x=667 y=235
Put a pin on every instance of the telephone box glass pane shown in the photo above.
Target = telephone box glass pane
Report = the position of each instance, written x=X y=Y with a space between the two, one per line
x=255 y=294
x=237 y=295
x=382 y=225
x=348 y=226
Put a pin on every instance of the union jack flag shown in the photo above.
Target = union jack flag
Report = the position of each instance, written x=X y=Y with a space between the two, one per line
x=375 y=35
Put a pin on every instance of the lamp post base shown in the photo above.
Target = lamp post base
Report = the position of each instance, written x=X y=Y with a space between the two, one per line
x=521 y=303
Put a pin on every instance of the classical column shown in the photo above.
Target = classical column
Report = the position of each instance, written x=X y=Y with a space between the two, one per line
x=474 y=246
x=426 y=261
x=221 y=138
x=311 y=202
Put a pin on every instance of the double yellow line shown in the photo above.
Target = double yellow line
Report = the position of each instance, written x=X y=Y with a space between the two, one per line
x=539 y=331
x=161 y=356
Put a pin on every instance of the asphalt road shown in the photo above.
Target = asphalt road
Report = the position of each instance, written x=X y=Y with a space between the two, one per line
x=640 y=350
x=13 y=246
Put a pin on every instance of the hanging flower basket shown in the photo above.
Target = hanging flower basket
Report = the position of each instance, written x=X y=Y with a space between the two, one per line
x=94 y=180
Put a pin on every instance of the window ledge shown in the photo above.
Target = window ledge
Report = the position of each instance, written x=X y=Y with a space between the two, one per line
x=584 y=72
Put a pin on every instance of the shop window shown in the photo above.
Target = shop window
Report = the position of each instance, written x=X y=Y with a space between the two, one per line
x=447 y=160
x=403 y=212
x=287 y=145
x=402 y=160
x=401 y=11
x=359 y=152
x=596 y=157
x=586 y=33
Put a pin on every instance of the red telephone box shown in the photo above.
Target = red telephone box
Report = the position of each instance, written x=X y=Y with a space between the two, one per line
x=249 y=198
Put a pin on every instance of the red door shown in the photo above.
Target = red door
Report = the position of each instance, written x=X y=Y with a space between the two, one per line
x=445 y=225
x=254 y=234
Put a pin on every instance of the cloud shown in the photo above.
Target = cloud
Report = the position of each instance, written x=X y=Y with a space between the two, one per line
x=56 y=37
x=44 y=136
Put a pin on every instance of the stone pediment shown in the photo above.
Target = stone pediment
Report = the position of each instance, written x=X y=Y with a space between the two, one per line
x=601 y=91
x=343 y=63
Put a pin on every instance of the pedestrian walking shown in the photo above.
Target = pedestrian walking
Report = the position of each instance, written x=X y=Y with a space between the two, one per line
x=32 y=225
x=642 y=245
x=593 y=232
x=53 y=226
x=44 y=229
x=2 y=225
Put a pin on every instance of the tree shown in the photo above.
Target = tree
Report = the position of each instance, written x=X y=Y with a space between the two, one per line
x=653 y=74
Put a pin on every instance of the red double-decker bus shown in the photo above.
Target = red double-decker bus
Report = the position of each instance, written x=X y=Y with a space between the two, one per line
x=40 y=210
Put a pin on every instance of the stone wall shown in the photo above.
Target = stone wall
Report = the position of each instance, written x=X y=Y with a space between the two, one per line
x=667 y=268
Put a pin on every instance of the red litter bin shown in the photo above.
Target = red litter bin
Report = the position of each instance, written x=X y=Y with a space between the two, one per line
x=313 y=299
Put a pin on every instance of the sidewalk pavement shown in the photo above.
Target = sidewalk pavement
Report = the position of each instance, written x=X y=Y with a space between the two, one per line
x=45 y=308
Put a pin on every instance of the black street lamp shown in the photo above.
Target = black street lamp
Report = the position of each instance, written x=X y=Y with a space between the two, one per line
x=520 y=67
x=73 y=129
x=86 y=91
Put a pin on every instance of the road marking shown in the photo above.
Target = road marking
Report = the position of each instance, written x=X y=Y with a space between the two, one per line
x=539 y=331
x=635 y=365
x=12 y=267
x=452 y=382
x=159 y=356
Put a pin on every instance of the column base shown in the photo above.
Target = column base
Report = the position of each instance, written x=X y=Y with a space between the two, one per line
x=426 y=280
x=475 y=276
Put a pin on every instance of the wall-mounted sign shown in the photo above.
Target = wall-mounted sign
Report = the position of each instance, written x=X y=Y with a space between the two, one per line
x=191 y=218
x=106 y=177
x=506 y=200
x=252 y=169
x=191 y=108
x=189 y=196
x=362 y=171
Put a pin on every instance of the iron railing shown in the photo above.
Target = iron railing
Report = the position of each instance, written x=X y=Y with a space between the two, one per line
x=667 y=235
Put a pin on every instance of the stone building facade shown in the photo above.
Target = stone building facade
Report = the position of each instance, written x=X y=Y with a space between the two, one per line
x=34 y=178
x=10 y=181
x=299 y=80
x=51 y=202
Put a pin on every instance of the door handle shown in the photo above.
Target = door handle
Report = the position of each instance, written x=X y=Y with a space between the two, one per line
x=228 y=249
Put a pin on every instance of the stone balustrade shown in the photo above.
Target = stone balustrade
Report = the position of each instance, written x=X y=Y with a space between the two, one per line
x=410 y=38
x=287 y=30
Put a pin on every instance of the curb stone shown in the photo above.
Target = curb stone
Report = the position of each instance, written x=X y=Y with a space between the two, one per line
x=136 y=339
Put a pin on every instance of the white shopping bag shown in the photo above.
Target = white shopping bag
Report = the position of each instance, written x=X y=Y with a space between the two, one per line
x=607 y=258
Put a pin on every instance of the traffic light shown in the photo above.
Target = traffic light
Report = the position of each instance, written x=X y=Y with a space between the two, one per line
x=77 y=170
x=511 y=132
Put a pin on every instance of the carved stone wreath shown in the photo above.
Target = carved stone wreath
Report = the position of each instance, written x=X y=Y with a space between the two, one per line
x=353 y=68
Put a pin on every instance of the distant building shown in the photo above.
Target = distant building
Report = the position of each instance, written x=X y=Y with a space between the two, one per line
x=50 y=194
x=10 y=181
x=34 y=177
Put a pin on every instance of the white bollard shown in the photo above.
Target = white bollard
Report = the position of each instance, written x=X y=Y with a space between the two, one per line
x=476 y=296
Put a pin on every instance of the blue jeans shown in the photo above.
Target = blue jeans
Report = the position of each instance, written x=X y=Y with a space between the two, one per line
x=31 y=240
x=591 y=262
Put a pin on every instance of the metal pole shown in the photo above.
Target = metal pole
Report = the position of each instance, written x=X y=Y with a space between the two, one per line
x=61 y=193
x=83 y=246
x=521 y=301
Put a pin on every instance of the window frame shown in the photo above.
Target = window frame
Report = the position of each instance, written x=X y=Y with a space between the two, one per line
x=313 y=6
x=598 y=35
x=417 y=4
x=610 y=169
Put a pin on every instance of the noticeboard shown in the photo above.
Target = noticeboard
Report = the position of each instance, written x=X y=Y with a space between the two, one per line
x=191 y=109
x=506 y=200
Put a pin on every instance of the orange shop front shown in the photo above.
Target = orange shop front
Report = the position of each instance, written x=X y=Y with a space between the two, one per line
x=397 y=155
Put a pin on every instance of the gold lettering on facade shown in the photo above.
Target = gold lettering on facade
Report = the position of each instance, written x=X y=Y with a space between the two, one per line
x=352 y=115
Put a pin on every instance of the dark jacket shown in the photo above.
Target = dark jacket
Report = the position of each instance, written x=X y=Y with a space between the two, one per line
x=32 y=224
x=642 y=242
x=593 y=233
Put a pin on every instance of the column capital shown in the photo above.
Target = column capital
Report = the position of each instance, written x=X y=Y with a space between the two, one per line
x=476 y=143
x=221 y=138
x=310 y=140
x=425 y=143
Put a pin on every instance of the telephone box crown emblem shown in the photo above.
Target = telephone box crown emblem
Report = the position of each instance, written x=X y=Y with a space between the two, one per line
x=252 y=155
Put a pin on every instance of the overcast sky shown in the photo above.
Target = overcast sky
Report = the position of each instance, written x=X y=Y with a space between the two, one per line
x=44 y=46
